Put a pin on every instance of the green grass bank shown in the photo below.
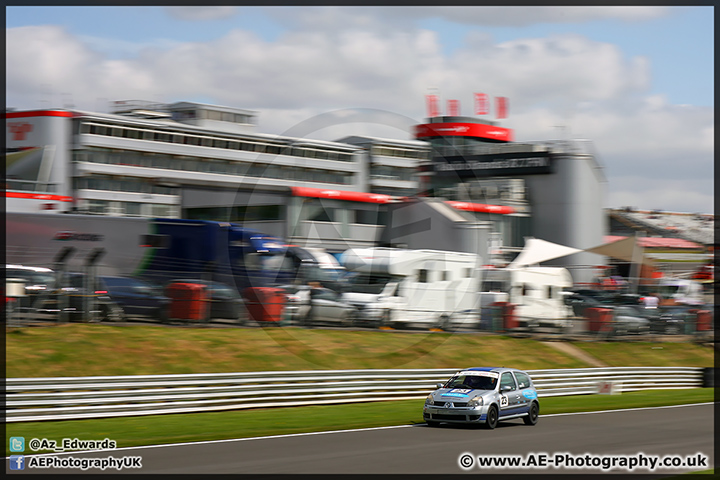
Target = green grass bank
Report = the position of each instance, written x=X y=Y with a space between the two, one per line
x=95 y=349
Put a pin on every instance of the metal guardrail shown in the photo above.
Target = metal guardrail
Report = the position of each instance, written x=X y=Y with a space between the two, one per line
x=66 y=398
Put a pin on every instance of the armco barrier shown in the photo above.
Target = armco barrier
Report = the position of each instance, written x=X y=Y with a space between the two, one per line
x=65 y=398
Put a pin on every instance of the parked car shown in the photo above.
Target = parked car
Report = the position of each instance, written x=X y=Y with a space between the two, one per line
x=670 y=320
x=136 y=297
x=225 y=301
x=297 y=305
x=74 y=301
x=483 y=396
x=630 y=319
x=327 y=307
x=37 y=279
x=580 y=303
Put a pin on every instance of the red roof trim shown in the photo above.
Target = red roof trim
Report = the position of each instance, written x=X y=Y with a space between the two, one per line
x=481 y=207
x=341 y=195
x=39 y=196
x=39 y=113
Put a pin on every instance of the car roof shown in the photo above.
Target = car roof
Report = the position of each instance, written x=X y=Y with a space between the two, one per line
x=490 y=369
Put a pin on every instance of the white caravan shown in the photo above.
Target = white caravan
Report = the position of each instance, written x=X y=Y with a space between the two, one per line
x=536 y=293
x=432 y=288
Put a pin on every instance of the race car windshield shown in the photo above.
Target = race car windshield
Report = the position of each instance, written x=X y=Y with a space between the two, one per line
x=474 y=382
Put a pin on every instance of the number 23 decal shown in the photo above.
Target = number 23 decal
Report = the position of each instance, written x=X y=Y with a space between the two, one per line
x=503 y=401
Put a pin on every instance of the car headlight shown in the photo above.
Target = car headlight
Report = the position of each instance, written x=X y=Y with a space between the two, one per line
x=476 y=401
x=429 y=400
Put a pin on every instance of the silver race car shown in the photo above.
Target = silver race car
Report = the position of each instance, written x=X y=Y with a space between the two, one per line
x=483 y=396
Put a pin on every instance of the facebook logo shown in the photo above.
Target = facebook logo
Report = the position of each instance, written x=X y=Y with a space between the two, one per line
x=17 y=462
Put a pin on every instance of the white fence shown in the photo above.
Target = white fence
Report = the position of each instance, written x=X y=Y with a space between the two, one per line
x=66 y=398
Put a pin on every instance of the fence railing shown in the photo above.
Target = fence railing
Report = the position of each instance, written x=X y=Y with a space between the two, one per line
x=66 y=398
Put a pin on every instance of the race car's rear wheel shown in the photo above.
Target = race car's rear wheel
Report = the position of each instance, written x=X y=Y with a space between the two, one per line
x=492 y=417
x=532 y=416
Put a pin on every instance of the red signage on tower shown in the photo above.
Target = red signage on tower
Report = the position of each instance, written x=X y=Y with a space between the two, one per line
x=453 y=108
x=432 y=106
x=502 y=106
x=481 y=104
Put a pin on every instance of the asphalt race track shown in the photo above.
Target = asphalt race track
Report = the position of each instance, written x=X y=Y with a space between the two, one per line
x=419 y=449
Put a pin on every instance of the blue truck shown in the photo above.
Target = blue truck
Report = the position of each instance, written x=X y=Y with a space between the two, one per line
x=156 y=249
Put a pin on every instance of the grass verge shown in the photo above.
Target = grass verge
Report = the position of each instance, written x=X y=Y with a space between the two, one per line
x=94 y=349
x=178 y=428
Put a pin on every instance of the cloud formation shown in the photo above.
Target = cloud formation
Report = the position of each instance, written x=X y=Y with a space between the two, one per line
x=201 y=13
x=558 y=86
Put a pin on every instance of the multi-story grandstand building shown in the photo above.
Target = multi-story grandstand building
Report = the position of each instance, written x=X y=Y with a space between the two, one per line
x=199 y=161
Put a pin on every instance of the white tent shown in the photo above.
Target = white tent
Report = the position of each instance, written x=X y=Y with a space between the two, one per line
x=625 y=249
x=537 y=251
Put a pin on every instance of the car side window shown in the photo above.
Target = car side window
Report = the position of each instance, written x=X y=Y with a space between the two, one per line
x=507 y=382
x=523 y=380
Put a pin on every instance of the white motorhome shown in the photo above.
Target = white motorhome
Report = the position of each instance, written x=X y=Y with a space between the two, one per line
x=536 y=293
x=432 y=288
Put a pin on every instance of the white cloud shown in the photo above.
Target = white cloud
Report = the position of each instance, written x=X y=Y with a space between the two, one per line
x=691 y=196
x=201 y=13
x=590 y=87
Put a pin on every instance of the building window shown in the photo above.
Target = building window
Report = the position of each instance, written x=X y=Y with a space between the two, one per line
x=255 y=213
x=422 y=276
x=98 y=207
x=323 y=215
x=132 y=209
x=368 y=217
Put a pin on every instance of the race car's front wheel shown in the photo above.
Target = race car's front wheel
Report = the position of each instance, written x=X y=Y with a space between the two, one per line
x=532 y=416
x=492 y=417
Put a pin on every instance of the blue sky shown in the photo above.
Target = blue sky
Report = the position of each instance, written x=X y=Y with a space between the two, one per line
x=637 y=81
